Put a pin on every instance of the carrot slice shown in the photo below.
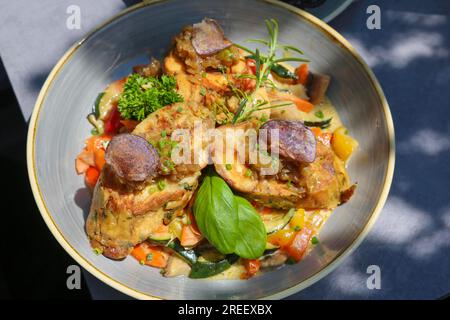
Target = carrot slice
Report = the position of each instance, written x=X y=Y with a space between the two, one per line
x=87 y=156
x=190 y=235
x=91 y=176
x=150 y=255
x=302 y=73
x=251 y=266
x=80 y=166
x=99 y=156
x=94 y=153
x=302 y=104
x=162 y=229
x=299 y=245
x=317 y=131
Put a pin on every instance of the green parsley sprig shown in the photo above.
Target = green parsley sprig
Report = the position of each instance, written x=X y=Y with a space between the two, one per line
x=144 y=95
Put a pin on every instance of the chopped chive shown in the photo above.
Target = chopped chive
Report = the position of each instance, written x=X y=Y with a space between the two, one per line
x=228 y=166
x=289 y=183
x=314 y=240
x=149 y=257
x=248 y=173
x=319 y=114
x=98 y=251
x=169 y=164
x=179 y=109
x=263 y=118
x=202 y=91
x=161 y=185
x=161 y=144
x=164 y=133
x=297 y=228
x=141 y=262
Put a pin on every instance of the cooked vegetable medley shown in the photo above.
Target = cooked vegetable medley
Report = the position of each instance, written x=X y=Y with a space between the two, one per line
x=219 y=213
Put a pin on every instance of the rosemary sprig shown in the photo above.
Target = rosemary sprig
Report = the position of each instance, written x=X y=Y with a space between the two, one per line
x=264 y=64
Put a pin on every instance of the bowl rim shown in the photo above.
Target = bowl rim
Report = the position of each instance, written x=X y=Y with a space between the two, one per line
x=91 y=268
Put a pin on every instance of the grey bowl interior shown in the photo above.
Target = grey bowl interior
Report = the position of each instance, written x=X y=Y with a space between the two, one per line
x=59 y=128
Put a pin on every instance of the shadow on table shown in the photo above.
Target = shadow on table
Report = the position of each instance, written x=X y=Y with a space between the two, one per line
x=410 y=242
x=34 y=264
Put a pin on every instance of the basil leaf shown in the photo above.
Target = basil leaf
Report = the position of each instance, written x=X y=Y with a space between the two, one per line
x=252 y=232
x=216 y=213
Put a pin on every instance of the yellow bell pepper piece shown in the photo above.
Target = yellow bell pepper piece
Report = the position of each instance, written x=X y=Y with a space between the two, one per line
x=298 y=220
x=342 y=144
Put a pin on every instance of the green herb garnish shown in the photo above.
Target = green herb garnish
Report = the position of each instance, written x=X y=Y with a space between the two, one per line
x=215 y=212
x=253 y=237
x=228 y=166
x=230 y=223
x=142 y=96
x=161 y=185
x=98 y=251
x=319 y=114
x=263 y=66
x=314 y=240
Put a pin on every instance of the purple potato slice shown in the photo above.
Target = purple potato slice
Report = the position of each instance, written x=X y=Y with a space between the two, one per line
x=132 y=158
x=296 y=141
x=208 y=38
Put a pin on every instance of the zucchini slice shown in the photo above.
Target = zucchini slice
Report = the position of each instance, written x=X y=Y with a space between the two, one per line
x=106 y=100
x=201 y=269
x=96 y=109
x=277 y=221
x=188 y=255
x=96 y=123
x=161 y=238
x=208 y=269
x=320 y=124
